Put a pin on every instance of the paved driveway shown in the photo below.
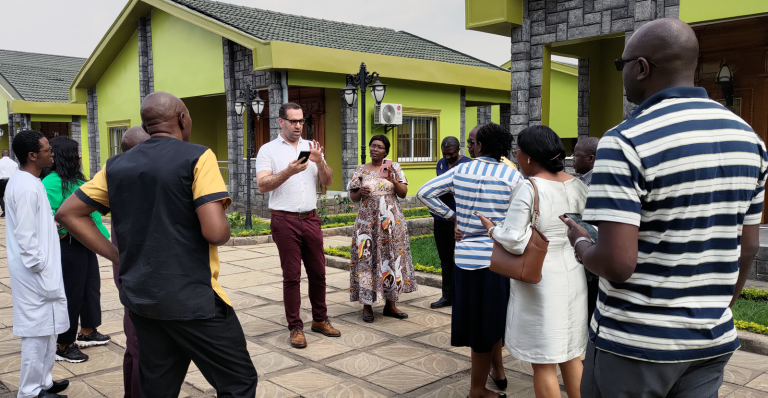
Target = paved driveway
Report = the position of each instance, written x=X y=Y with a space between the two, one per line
x=410 y=358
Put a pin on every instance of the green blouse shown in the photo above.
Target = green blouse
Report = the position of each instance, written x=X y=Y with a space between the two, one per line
x=52 y=184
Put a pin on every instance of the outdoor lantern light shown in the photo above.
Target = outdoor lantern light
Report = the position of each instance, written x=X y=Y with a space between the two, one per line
x=258 y=106
x=239 y=107
x=350 y=94
x=725 y=80
x=363 y=80
x=378 y=90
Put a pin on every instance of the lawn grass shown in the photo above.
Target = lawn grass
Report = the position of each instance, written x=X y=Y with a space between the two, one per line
x=751 y=311
x=423 y=253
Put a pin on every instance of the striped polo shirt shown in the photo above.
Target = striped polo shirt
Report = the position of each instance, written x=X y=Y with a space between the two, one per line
x=690 y=174
x=482 y=185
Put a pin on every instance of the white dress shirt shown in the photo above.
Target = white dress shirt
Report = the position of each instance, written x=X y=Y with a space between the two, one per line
x=7 y=167
x=298 y=193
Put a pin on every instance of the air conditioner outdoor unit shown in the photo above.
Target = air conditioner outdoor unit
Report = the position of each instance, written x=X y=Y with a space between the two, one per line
x=388 y=114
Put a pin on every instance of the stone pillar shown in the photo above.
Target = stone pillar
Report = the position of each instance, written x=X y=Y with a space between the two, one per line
x=275 y=88
x=234 y=122
x=349 y=145
x=11 y=129
x=75 y=132
x=521 y=77
x=583 y=110
x=94 y=152
x=462 y=120
x=146 y=74
x=25 y=121
x=505 y=114
x=484 y=114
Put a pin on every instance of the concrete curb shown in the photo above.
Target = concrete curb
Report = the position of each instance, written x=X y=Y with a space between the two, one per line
x=422 y=278
x=753 y=342
x=416 y=227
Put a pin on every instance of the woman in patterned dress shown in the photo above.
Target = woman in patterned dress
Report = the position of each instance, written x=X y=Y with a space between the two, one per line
x=381 y=265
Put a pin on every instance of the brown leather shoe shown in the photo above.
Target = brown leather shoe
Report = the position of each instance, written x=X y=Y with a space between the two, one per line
x=297 y=338
x=325 y=328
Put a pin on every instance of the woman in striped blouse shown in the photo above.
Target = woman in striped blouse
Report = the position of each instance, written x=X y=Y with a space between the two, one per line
x=479 y=311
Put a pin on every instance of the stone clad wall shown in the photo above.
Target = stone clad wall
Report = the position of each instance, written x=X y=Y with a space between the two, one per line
x=146 y=69
x=552 y=21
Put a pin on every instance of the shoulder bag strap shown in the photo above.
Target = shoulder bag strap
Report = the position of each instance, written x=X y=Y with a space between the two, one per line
x=535 y=215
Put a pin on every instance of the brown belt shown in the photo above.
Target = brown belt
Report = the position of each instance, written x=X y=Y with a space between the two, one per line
x=299 y=216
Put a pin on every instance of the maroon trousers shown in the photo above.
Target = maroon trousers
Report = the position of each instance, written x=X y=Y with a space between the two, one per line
x=299 y=240
x=131 y=357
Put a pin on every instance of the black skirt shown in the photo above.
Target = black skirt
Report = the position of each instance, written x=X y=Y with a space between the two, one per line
x=479 y=309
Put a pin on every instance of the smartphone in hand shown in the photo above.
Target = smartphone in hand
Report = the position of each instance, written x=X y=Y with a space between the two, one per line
x=589 y=227
x=386 y=165
x=304 y=156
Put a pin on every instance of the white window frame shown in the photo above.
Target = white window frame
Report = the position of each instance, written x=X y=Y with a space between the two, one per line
x=115 y=138
x=417 y=159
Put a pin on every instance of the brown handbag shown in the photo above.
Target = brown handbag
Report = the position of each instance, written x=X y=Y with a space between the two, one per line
x=527 y=266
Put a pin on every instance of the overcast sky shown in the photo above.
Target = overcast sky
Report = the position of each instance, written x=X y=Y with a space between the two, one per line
x=75 y=27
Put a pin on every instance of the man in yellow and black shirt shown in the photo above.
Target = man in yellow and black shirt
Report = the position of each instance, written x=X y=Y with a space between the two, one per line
x=167 y=200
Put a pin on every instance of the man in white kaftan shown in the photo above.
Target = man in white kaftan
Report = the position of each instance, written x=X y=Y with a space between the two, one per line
x=34 y=264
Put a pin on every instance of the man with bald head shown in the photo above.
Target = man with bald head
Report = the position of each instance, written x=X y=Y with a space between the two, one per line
x=167 y=200
x=134 y=136
x=677 y=194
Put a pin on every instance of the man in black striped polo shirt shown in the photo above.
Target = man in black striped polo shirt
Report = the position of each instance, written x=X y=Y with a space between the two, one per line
x=677 y=192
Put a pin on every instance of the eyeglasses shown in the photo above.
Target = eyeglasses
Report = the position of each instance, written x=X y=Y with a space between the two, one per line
x=49 y=150
x=471 y=142
x=621 y=62
x=300 y=122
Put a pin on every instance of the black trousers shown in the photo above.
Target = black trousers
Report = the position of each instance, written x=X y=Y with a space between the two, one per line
x=446 y=244
x=82 y=285
x=216 y=345
x=3 y=184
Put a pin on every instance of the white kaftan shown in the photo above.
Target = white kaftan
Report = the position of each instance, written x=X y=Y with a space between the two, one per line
x=34 y=259
x=546 y=322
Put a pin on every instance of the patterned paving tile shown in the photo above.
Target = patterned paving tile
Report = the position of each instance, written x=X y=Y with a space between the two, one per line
x=283 y=340
x=268 y=292
x=255 y=349
x=441 y=340
x=197 y=380
x=253 y=278
x=392 y=326
x=345 y=390
x=95 y=363
x=401 y=352
x=426 y=319
x=455 y=390
x=747 y=393
x=272 y=362
x=231 y=269
x=759 y=383
x=109 y=384
x=726 y=389
x=258 y=327
x=6 y=300
x=306 y=381
x=266 y=389
x=321 y=349
x=362 y=364
x=749 y=360
x=359 y=338
x=424 y=303
x=401 y=379
x=258 y=261
x=11 y=380
x=118 y=339
x=81 y=390
x=438 y=365
x=740 y=376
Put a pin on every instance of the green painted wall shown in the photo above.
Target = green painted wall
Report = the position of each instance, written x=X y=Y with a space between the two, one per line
x=444 y=98
x=333 y=136
x=470 y=121
x=606 y=89
x=209 y=123
x=564 y=104
x=118 y=91
x=4 y=114
x=696 y=11
x=4 y=138
x=495 y=115
x=84 y=144
x=187 y=60
x=51 y=118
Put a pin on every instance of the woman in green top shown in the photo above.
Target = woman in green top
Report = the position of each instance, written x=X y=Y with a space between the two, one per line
x=80 y=268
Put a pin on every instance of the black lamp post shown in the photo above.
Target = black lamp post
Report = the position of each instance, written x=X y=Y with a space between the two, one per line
x=251 y=100
x=725 y=80
x=362 y=80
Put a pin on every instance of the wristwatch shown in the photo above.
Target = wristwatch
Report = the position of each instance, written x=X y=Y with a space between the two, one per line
x=576 y=243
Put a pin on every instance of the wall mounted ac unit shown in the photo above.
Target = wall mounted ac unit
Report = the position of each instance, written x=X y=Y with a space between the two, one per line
x=388 y=114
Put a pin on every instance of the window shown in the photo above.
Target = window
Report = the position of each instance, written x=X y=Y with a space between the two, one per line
x=115 y=137
x=416 y=139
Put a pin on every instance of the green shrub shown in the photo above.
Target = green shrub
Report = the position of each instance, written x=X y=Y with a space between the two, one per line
x=754 y=293
x=423 y=253
x=750 y=327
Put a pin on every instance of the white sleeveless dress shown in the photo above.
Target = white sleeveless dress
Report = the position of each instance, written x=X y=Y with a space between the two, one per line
x=546 y=322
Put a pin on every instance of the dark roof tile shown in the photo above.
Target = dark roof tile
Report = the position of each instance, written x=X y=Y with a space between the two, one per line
x=39 y=77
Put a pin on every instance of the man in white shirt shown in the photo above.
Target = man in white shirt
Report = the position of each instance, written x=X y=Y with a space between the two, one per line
x=34 y=264
x=7 y=167
x=295 y=225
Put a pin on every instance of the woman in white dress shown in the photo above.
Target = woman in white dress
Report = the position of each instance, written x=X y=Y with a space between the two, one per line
x=546 y=322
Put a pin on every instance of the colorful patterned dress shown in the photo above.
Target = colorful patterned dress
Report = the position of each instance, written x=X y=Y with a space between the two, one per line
x=381 y=264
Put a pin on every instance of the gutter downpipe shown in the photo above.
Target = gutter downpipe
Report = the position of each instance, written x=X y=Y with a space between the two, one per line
x=284 y=85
